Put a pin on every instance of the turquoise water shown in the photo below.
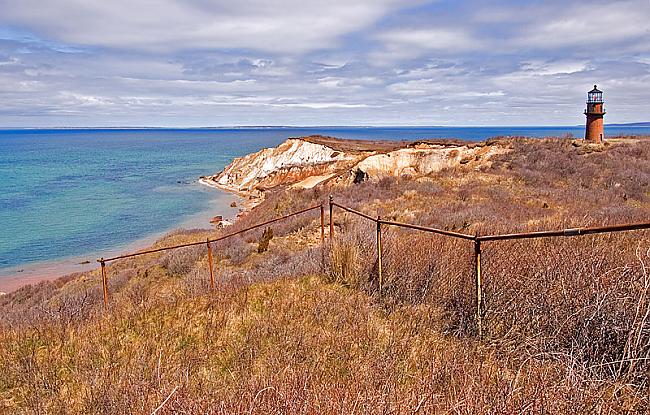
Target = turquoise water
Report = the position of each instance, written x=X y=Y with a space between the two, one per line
x=75 y=193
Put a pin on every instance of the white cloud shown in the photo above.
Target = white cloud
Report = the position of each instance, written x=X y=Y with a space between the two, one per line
x=9 y=61
x=418 y=87
x=554 y=68
x=203 y=62
x=594 y=25
x=430 y=39
x=592 y=29
x=409 y=43
x=165 y=25
x=321 y=105
x=349 y=82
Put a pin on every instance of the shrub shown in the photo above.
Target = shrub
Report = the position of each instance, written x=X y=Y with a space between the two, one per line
x=234 y=249
x=180 y=261
x=351 y=260
x=265 y=239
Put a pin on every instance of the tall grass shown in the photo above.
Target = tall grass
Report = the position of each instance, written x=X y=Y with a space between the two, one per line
x=302 y=328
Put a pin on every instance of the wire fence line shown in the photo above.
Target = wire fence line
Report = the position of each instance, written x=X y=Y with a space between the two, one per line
x=208 y=243
x=459 y=277
x=528 y=279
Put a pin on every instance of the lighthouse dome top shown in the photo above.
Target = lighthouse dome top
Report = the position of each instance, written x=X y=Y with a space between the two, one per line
x=595 y=95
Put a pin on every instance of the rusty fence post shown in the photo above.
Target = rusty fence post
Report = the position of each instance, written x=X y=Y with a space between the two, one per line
x=322 y=223
x=379 y=262
x=479 y=288
x=210 y=265
x=104 y=282
x=331 y=218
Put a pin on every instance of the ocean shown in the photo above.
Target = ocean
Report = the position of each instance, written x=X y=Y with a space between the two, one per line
x=69 y=196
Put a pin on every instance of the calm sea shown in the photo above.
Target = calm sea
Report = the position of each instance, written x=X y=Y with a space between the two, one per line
x=69 y=195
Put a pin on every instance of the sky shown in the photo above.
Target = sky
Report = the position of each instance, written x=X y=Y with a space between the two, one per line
x=198 y=63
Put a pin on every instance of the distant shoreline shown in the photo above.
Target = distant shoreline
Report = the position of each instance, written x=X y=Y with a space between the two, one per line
x=642 y=124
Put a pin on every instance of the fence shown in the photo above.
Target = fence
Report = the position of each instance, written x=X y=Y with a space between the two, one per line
x=478 y=242
x=102 y=261
x=453 y=274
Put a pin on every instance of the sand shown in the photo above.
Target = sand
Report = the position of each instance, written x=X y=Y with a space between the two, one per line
x=19 y=276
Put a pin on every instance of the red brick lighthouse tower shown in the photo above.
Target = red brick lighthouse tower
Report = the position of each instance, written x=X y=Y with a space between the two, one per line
x=595 y=111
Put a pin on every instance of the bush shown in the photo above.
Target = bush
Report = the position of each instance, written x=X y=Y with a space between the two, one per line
x=180 y=261
x=263 y=244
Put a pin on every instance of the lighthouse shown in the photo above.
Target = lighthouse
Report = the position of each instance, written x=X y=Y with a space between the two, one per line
x=594 y=131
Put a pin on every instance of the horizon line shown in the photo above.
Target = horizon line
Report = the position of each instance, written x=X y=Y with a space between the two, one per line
x=140 y=127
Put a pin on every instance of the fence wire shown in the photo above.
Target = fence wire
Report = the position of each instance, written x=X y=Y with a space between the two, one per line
x=585 y=296
x=353 y=259
x=185 y=259
x=418 y=267
x=421 y=267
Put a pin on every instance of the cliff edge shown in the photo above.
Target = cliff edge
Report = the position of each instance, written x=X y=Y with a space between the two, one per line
x=310 y=161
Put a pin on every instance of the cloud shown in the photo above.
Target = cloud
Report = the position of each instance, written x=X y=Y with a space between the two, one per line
x=430 y=39
x=201 y=62
x=320 y=105
x=292 y=26
x=591 y=25
x=596 y=28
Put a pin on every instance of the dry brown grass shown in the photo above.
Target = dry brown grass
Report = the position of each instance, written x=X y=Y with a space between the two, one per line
x=302 y=329
x=290 y=346
x=354 y=146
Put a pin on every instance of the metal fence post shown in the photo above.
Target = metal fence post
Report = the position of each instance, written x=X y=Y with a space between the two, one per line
x=479 y=288
x=322 y=223
x=104 y=282
x=331 y=217
x=210 y=264
x=379 y=264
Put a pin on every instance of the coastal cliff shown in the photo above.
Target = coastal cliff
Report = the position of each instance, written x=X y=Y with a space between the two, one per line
x=310 y=161
x=288 y=163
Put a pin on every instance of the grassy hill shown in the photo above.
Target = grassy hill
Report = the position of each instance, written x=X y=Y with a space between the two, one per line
x=300 y=328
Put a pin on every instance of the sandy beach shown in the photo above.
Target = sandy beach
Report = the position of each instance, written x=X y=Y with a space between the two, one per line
x=246 y=202
x=13 y=278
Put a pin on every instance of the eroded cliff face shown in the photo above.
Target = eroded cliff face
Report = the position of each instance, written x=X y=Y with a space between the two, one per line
x=310 y=161
x=286 y=164
x=424 y=160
